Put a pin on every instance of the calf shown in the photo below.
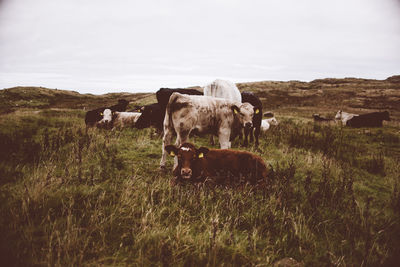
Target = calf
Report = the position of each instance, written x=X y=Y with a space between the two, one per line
x=266 y=123
x=373 y=119
x=95 y=115
x=248 y=97
x=198 y=164
x=188 y=114
x=344 y=116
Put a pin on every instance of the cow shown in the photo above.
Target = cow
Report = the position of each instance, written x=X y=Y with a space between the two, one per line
x=106 y=121
x=344 y=116
x=269 y=114
x=163 y=94
x=125 y=119
x=189 y=114
x=153 y=115
x=202 y=163
x=318 y=118
x=222 y=89
x=266 y=123
x=113 y=120
x=249 y=97
x=373 y=119
x=95 y=115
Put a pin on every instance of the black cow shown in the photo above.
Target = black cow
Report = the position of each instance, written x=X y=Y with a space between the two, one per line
x=164 y=93
x=95 y=115
x=373 y=119
x=318 y=118
x=257 y=118
x=153 y=115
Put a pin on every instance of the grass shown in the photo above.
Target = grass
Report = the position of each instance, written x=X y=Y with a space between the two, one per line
x=71 y=197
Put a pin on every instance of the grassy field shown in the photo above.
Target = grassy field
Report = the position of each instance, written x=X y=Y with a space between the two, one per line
x=70 y=197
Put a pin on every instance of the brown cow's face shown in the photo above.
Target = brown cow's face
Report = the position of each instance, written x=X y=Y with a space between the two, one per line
x=245 y=113
x=187 y=156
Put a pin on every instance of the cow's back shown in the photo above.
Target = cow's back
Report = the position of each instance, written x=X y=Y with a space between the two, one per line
x=232 y=161
x=223 y=89
x=203 y=113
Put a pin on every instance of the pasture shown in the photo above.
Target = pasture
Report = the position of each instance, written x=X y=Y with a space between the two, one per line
x=70 y=197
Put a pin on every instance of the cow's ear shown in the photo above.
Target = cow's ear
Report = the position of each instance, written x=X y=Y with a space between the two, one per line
x=101 y=114
x=202 y=151
x=256 y=110
x=172 y=150
x=235 y=109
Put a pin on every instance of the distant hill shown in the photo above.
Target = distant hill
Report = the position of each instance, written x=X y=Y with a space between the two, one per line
x=39 y=97
x=352 y=94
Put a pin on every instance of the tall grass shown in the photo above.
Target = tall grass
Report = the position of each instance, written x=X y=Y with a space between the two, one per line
x=97 y=198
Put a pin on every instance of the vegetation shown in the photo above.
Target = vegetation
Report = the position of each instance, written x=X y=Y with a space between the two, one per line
x=74 y=197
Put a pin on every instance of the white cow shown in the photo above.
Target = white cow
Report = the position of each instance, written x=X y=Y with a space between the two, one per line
x=266 y=123
x=344 y=116
x=223 y=89
x=118 y=119
x=125 y=119
x=188 y=114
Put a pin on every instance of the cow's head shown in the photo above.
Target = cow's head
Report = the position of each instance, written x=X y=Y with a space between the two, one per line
x=338 y=115
x=244 y=113
x=106 y=121
x=188 y=156
x=138 y=109
x=273 y=121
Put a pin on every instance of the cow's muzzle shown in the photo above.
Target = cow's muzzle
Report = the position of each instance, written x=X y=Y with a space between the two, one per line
x=186 y=173
x=248 y=125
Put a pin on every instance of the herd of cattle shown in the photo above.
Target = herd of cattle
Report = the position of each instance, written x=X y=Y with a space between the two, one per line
x=223 y=111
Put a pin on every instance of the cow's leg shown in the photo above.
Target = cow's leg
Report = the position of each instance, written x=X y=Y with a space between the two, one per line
x=223 y=136
x=251 y=135
x=167 y=139
x=212 y=143
x=246 y=135
x=256 y=135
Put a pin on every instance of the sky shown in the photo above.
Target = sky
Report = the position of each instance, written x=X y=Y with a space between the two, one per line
x=101 y=46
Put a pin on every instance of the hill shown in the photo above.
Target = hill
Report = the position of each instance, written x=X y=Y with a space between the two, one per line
x=321 y=96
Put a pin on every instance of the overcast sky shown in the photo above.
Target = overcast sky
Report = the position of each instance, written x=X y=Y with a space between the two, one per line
x=100 y=46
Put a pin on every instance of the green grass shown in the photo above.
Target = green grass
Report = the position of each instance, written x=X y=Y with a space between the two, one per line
x=71 y=197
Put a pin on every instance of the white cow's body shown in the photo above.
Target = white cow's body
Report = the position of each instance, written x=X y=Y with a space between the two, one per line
x=223 y=89
x=125 y=119
x=266 y=123
x=344 y=116
x=188 y=114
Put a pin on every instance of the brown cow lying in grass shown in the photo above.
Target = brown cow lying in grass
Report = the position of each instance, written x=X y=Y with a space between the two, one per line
x=199 y=164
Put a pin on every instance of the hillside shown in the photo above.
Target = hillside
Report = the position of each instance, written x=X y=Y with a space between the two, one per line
x=39 y=97
x=327 y=95
x=324 y=96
